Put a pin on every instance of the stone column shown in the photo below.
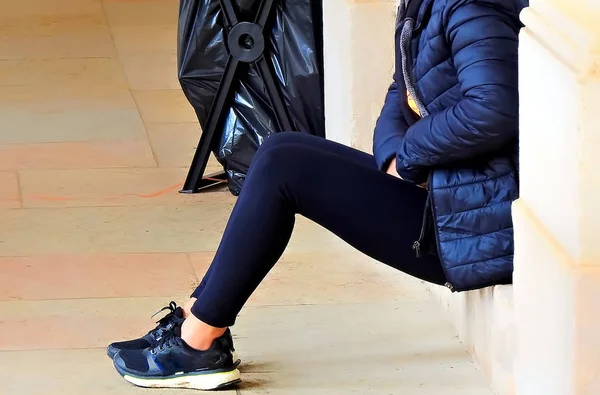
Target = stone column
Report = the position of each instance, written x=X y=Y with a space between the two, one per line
x=359 y=57
x=557 y=219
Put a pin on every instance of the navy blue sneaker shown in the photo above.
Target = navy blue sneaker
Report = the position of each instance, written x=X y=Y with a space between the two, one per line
x=164 y=327
x=174 y=364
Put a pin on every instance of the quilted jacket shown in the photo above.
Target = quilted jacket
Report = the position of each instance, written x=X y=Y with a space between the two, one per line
x=458 y=61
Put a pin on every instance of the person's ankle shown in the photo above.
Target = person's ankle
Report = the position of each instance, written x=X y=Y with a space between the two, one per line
x=187 y=308
x=198 y=335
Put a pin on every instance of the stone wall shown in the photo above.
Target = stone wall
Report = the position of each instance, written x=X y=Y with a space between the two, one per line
x=557 y=220
x=359 y=48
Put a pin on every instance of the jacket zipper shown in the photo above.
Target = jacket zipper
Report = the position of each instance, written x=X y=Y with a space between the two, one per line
x=424 y=226
x=448 y=284
x=430 y=206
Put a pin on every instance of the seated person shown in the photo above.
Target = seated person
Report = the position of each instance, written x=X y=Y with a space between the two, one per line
x=434 y=201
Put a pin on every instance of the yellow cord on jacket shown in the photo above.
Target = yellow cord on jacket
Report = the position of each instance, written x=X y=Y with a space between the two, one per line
x=412 y=104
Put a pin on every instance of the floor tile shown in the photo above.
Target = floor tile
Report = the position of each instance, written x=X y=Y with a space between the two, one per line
x=64 y=33
x=131 y=39
x=64 y=73
x=77 y=323
x=60 y=100
x=141 y=12
x=174 y=144
x=69 y=126
x=101 y=187
x=155 y=229
x=195 y=225
x=84 y=155
x=9 y=190
x=164 y=106
x=326 y=278
x=70 y=372
x=367 y=348
x=156 y=70
x=95 y=276
x=46 y=100
x=52 y=8
x=49 y=86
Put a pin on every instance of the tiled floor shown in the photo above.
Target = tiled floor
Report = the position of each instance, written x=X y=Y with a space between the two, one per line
x=95 y=137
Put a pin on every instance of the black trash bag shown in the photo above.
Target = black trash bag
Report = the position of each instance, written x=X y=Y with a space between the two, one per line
x=295 y=54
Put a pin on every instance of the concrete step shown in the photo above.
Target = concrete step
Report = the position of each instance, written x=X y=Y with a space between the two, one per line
x=485 y=321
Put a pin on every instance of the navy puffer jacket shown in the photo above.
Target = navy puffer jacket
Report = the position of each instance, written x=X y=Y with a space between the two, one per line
x=460 y=65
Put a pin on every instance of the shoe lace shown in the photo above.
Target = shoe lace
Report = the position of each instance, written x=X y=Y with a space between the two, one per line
x=163 y=323
x=170 y=340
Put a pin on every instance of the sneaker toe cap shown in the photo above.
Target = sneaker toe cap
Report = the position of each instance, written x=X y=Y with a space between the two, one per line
x=111 y=351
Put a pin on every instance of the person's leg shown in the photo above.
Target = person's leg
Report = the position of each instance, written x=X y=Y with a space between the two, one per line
x=327 y=183
x=276 y=141
x=176 y=314
x=335 y=186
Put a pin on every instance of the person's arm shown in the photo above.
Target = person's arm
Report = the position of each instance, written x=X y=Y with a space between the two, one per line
x=389 y=130
x=483 y=40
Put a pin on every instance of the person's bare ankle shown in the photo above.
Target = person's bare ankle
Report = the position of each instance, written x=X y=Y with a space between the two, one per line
x=199 y=335
x=187 y=308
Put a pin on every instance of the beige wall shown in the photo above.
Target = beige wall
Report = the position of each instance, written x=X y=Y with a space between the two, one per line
x=359 y=53
x=557 y=220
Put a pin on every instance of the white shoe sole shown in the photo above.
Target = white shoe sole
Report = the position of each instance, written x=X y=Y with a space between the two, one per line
x=204 y=382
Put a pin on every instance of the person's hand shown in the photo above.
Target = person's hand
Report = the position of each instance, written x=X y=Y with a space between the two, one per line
x=393 y=172
x=392 y=169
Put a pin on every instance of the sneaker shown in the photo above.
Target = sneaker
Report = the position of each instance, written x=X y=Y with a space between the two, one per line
x=165 y=326
x=174 y=364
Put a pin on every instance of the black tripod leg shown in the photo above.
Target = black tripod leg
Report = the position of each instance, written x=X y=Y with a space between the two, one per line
x=262 y=18
x=217 y=111
x=229 y=12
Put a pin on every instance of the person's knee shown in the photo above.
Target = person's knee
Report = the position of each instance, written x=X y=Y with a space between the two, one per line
x=283 y=164
x=286 y=165
x=283 y=153
x=275 y=141
x=275 y=156
x=283 y=138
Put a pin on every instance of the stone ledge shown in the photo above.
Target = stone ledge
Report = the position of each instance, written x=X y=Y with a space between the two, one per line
x=485 y=322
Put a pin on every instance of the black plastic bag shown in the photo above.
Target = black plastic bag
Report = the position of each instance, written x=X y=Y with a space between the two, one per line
x=295 y=53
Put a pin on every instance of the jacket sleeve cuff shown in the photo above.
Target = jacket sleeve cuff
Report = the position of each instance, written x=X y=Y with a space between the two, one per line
x=415 y=175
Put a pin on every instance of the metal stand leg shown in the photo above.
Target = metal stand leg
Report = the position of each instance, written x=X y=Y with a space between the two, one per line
x=246 y=43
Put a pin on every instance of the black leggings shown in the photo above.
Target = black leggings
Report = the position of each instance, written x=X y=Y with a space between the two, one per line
x=339 y=188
